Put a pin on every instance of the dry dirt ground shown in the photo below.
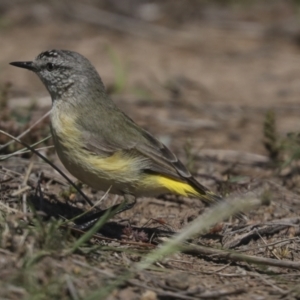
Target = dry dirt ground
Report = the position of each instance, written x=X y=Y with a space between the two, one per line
x=216 y=91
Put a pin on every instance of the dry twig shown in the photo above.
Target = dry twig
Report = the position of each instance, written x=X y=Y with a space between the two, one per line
x=237 y=257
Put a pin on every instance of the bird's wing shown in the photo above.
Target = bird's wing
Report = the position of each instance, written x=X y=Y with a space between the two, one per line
x=158 y=157
x=136 y=141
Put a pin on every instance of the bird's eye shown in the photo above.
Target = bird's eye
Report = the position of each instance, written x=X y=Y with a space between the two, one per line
x=49 y=66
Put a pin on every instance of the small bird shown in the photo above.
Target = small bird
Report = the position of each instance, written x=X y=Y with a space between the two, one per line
x=99 y=144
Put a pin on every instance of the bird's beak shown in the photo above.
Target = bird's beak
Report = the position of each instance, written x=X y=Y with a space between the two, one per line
x=24 y=64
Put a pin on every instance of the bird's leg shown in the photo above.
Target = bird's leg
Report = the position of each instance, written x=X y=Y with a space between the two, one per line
x=87 y=221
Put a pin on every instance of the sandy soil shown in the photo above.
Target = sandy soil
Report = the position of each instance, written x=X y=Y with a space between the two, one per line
x=204 y=90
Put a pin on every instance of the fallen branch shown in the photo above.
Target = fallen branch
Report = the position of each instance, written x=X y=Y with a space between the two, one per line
x=237 y=257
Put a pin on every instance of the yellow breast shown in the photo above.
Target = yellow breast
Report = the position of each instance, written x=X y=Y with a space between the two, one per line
x=93 y=169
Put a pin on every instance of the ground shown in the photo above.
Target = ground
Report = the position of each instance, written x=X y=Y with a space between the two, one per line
x=221 y=89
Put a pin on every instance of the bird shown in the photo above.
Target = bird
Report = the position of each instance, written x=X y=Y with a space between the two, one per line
x=98 y=143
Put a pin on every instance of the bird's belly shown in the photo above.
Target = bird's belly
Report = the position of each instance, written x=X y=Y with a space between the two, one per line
x=105 y=174
x=70 y=149
x=81 y=166
x=86 y=169
x=117 y=173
